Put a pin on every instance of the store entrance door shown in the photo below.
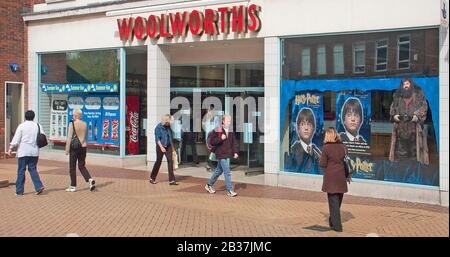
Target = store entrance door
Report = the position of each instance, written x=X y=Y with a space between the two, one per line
x=14 y=109
x=247 y=129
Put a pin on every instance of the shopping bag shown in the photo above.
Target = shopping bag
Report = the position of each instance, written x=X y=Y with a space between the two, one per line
x=175 y=160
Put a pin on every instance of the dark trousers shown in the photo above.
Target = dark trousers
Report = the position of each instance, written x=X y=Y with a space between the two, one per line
x=79 y=156
x=334 y=203
x=188 y=139
x=31 y=162
x=157 y=165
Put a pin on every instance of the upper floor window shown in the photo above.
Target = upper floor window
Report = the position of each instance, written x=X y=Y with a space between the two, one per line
x=403 y=54
x=338 y=59
x=359 y=57
x=306 y=62
x=381 y=55
x=321 y=60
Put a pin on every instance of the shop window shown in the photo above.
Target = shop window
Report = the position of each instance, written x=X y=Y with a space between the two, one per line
x=183 y=76
x=306 y=62
x=403 y=54
x=212 y=76
x=382 y=146
x=381 y=55
x=246 y=75
x=321 y=60
x=85 y=80
x=359 y=57
x=338 y=59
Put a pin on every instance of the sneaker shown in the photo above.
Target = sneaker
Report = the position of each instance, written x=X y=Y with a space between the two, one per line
x=152 y=181
x=40 y=191
x=173 y=183
x=91 y=184
x=210 y=189
x=231 y=193
x=19 y=194
x=71 y=189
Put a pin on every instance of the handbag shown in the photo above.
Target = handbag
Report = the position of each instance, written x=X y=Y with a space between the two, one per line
x=41 y=139
x=175 y=159
x=75 y=143
x=212 y=157
x=348 y=166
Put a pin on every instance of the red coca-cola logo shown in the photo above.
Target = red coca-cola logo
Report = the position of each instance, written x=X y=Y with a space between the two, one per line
x=134 y=121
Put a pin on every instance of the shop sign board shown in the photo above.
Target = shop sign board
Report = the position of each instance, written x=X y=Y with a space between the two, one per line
x=239 y=19
x=80 y=88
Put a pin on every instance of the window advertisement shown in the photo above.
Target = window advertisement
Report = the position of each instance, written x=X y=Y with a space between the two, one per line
x=92 y=115
x=132 y=125
x=388 y=117
x=353 y=125
x=404 y=149
x=110 y=120
x=58 y=117
x=306 y=132
x=101 y=114
x=81 y=80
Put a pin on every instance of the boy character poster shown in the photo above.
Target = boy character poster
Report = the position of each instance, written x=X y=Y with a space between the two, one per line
x=306 y=133
x=353 y=121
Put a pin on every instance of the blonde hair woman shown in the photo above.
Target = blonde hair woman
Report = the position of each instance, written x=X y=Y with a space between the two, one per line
x=164 y=146
x=78 y=133
x=334 y=180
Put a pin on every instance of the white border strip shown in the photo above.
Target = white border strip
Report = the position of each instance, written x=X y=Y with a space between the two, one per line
x=163 y=7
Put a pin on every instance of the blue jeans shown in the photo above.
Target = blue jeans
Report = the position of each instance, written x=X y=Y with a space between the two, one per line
x=31 y=162
x=222 y=166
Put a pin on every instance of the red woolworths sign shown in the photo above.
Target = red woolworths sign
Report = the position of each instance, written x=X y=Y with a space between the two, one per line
x=241 y=19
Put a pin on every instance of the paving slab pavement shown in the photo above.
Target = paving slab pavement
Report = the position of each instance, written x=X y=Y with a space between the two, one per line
x=126 y=204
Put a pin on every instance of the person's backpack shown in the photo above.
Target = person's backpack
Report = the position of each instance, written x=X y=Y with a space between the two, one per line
x=41 y=139
x=211 y=147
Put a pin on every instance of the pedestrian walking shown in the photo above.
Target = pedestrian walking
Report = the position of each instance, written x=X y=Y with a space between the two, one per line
x=209 y=123
x=334 y=179
x=25 y=140
x=76 y=148
x=164 y=146
x=225 y=147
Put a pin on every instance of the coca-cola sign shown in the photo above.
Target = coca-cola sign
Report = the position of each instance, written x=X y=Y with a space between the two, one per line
x=132 y=125
x=134 y=122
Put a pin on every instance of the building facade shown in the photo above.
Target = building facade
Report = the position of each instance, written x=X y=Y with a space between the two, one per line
x=13 y=68
x=278 y=67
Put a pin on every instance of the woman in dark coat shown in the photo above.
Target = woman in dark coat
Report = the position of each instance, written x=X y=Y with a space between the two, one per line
x=334 y=180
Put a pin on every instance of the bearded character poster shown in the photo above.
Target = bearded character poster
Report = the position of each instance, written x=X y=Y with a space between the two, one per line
x=306 y=133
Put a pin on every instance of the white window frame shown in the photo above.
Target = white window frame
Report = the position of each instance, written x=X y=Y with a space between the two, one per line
x=398 y=52
x=334 y=59
x=309 y=59
x=376 y=55
x=354 y=56
x=317 y=59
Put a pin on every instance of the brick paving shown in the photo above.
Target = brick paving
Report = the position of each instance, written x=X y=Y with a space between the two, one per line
x=125 y=204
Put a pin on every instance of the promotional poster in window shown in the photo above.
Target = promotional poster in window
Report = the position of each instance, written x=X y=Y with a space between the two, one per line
x=401 y=146
x=306 y=133
x=353 y=121
x=101 y=114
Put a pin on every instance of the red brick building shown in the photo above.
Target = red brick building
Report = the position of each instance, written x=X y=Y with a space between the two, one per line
x=13 y=53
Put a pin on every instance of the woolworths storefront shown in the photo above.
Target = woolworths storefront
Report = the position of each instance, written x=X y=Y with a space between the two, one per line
x=285 y=71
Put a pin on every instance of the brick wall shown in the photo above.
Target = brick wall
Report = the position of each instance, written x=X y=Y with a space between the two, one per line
x=13 y=49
